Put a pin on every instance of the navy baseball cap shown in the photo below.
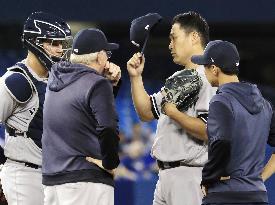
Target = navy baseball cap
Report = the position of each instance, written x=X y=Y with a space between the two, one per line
x=90 y=41
x=141 y=27
x=222 y=54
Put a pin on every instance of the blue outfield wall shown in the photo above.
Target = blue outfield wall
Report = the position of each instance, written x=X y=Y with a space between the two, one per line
x=258 y=11
x=140 y=192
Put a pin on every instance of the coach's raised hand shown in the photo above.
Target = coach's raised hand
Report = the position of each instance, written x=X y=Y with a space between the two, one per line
x=112 y=72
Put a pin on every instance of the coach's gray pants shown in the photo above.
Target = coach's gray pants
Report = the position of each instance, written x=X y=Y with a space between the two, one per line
x=80 y=193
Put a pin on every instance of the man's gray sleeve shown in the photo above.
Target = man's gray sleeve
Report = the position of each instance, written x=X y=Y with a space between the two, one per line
x=156 y=99
x=7 y=103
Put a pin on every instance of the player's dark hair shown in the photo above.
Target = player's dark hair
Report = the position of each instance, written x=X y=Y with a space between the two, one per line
x=235 y=71
x=193 y=21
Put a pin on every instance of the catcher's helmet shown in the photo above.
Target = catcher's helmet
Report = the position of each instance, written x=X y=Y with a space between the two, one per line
x=41 y=26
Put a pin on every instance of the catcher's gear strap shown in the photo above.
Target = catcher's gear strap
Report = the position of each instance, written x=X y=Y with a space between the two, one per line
x=26 y=164
x=108 y=140
x=19 y=87
x=154 y=107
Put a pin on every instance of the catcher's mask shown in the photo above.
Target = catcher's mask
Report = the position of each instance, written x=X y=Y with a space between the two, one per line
x=141 y=28
x=43 y=27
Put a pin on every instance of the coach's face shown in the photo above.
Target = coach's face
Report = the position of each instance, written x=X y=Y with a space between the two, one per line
x=102 y=58
x=180 y=44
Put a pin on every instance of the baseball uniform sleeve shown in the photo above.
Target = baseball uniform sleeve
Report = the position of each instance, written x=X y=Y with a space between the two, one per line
x=219 y=127
x=156 y=99
x=103 y=108
x=205 y=95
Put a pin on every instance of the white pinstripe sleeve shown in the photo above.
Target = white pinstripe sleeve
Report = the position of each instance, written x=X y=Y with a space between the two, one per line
x=156 y=104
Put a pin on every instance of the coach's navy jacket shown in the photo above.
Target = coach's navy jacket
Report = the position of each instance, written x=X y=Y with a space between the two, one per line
x=79 y=121
x=239 y=125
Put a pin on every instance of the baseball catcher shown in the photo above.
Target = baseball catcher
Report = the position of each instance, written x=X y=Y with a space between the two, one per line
x=22 y=93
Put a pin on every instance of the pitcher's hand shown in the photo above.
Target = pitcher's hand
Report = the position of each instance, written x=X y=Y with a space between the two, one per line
x=135 y=65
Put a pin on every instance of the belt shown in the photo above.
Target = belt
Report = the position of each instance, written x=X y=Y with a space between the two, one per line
x=168 y=165
x=26 y=164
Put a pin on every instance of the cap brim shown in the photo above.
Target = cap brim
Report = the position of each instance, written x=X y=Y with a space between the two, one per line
x=200 y=60
x=112 y=46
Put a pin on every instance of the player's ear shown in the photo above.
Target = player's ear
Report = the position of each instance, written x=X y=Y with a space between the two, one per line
x=215 y=70
x=195 y=37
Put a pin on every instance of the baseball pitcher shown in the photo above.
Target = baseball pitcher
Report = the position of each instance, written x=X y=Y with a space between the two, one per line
x=181 y=109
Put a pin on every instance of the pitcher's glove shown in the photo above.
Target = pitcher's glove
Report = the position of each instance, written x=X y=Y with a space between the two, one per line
x=182 y=89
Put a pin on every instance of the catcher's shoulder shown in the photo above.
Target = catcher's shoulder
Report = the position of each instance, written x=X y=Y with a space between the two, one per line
x=18 y=86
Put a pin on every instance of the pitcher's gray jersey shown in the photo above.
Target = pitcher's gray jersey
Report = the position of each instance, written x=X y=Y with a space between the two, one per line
x=18 y=115
x=172 y=143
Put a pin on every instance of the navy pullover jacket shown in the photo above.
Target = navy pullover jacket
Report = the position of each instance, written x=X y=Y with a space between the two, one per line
x=240 y=123
x=79 y=121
